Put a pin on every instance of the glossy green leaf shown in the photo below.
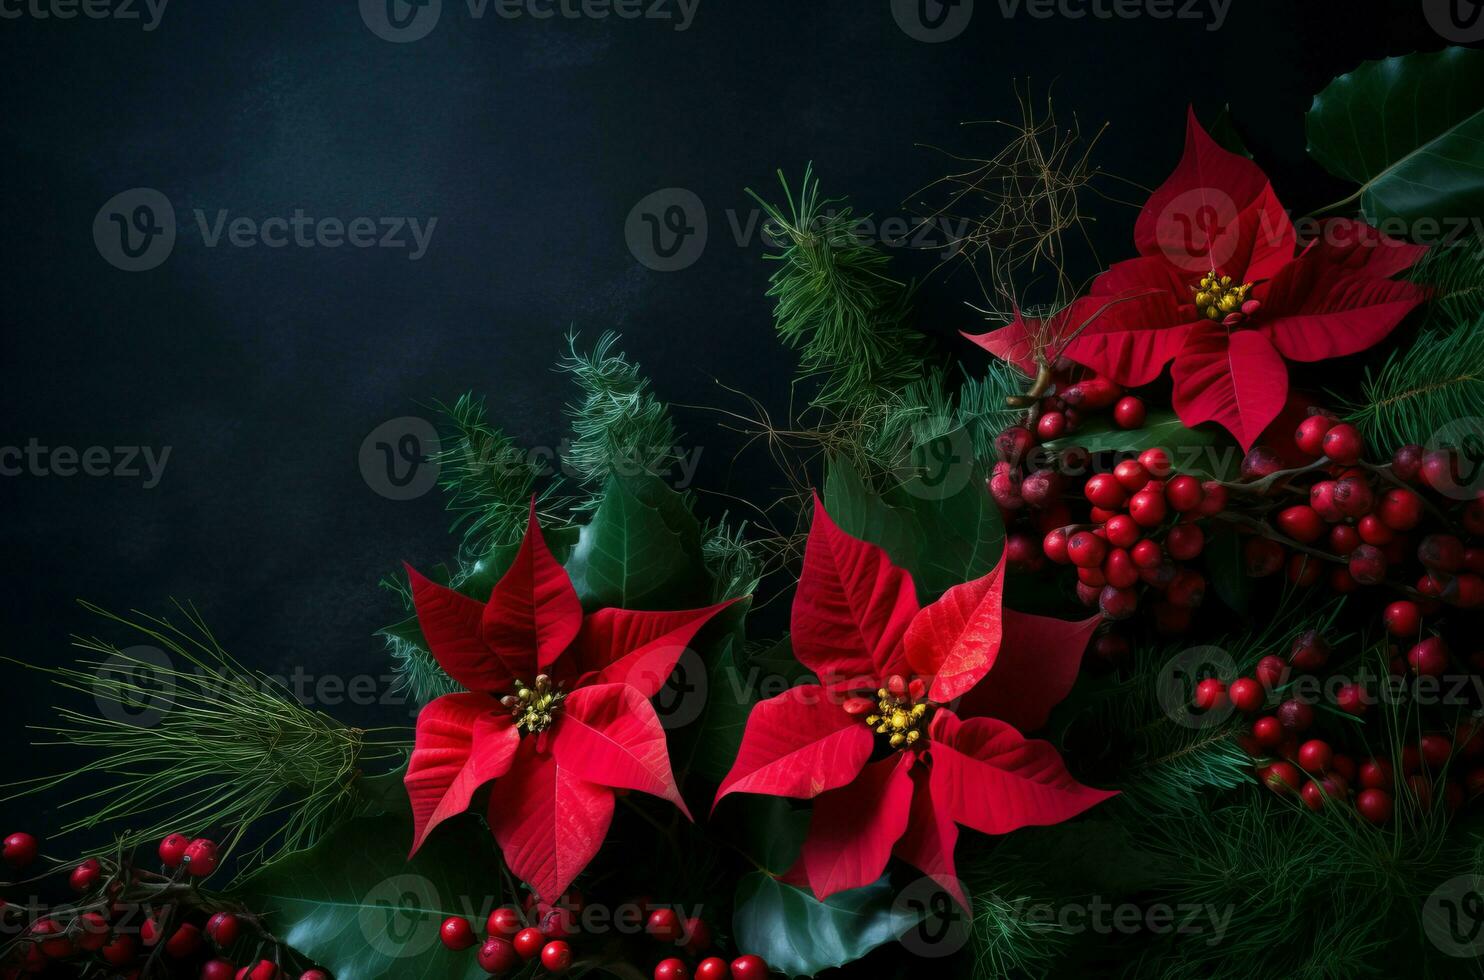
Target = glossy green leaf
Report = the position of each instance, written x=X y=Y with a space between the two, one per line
x=800 y=936
x=862 y=513
x=641 y=550
x=1410 y=131
x=357 y=906
x=1224 y=564
x=1223 y=130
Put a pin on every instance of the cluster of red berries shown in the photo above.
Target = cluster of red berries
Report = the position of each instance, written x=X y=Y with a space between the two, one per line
x=100 y=926
x=510 y=942
x=1292 y=760
x=1063 y=412
x=1144 y=528
x=1368 y=522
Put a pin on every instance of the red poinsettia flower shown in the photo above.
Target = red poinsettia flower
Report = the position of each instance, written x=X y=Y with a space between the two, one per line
x=1224 y=289
x=892 y=769
x=557 y=714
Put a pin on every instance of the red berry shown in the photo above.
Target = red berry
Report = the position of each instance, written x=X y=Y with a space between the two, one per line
x=1430 y=657
x=1104 y=490
x=1271 y=670
x=1406 y=462
x=697 y=937
x=1376 y=774
x=1012 y=444
x=1053 y=425
x=1128 y=413
x=56 y=949
x=1282 y=777
x=713 y=968
x=19 y=850
x=1343 y=539
x=1310 y=435
x=1093 y=393
x=749 y=967
x=184 y=942
x=149 y=932
x=1005 y=489
x=1309 y=652
x=1440 y=471
x=528 y=942
x=218 y=969
x=1268 y=732
x=556 y=956
x=223 y=928
x=1111 y=647
x=456 y=932
x=503 y=922
x=1295 y=716
x=1147 y=554
x=1184 y=494
x=1302 y=523
x=1119 y=569
x=1041 y=487
x=1156 y=461
x=1368 y=565
x=1342 y=443
x=1260 y=462
x=1262 y=557
x=1210 y=693
x=1441 y=552
x=498 y=955
x=1055 y=546
x=119 y=950
x=1314 y=756
x=664 y=925
x=1171 y=620
x=1400 y=509
x=1322 y=499
x=1402 y=618
x=172 y=850
x=201 y=857
x=1131 y=475
x=314 y=974
x=1436 y=750
x=1351 y=699
x=1374 y=805
x=1086 y=550
x=671 y=969
x=1303 y=570
x=1147 y=508
x=1122 y=531
x=261 y=970
x=85 y=877
x=1117 y=604
x=1187 y=590
x=1185 y=541
x=1246 y=694
x=1024 y=552
x=1353 y=496
x=1213 y=500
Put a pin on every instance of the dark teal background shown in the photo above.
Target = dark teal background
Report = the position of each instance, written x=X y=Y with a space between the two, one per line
x=530 y=141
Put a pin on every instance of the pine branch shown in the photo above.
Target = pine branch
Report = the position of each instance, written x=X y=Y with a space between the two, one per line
x=837 y=304
x=1424 y=389
x=618 y=424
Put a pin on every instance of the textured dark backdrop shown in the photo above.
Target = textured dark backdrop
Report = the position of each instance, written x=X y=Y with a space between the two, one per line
x=529 y=140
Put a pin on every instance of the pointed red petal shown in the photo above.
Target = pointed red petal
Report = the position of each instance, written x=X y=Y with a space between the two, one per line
x=930 y=838
x=463 y=741
x=1359 y=247
x=637 y=648
x=992 y=779
x=609 y=734
x=851 y=607
x=853 y=828
x=1037 y=666
x=450 y=623
x=1233 y=378
x=798 y=744
x=547 y=821
x=1216 y=211
x=1014 y=342
x=1315 y=309
x=955 y=641
x=533 y=613
x=1133 y=324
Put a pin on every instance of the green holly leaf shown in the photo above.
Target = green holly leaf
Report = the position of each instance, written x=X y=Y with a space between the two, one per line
x=357 y=906
x=800 y=936
x=862 y=513
x=641 y=550
x=1410 y=131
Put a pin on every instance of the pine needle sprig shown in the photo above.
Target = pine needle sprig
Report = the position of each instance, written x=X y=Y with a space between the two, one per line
x=186 y=739
x=735 y=567
x=929 y=409
x=1424 y=389
x=836 y=302
x=488 y=482
x=618 y=425
x=1455 y=274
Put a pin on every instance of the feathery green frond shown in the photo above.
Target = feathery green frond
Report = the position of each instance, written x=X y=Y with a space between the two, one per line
x=1426 y=388
x=735 y=569
x=836 y=302
x=487 y=480
x=618 y=425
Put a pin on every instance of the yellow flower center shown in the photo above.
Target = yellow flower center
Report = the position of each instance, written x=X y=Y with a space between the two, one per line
x=534 y=707
x=897 y=714
x=1218 y=298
